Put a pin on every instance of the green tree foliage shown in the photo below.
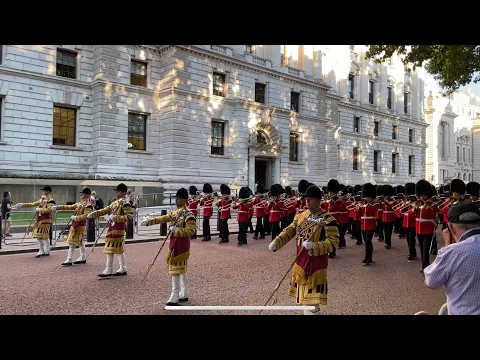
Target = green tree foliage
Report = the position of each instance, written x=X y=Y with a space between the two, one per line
x=452 y=65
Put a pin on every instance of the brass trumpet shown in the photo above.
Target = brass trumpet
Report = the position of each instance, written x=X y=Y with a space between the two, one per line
x=245 y=201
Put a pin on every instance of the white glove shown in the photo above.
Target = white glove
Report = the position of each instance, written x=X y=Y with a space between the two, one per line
x=89 y=216
x=38 y=209
x=54 y=208
x=73 y=217
x=272 y=246
x=92 y=198
x=308 y=245
x=110 y=217
x=172 y=228
x=19 y=205
x=144 y=221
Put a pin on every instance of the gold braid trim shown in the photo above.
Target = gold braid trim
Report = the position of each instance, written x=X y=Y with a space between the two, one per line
x=300 y=277
x=290 y=231
x=174 y=259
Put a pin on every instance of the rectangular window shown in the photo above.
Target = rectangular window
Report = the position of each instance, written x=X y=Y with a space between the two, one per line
x=218 y=84
x=389 y=97
x=370 y=91
x=64 y=126
x=394 y=132
x=66 y=63
x=405 y=103
x=444 y=174
x=294 y=145
x=218 y=134
x=356 y=124
x=260 y=93
x=410 y=164
x=355 y=158
x=137 y=131
x=376 y=157
x=138 y=73
x=375 y=128
x=351 y=86
x=295 y=101
x=1 y=54
x=394 y=163
x=464 y=157
x=250 y=49
x=410 y=135
x=458 y=154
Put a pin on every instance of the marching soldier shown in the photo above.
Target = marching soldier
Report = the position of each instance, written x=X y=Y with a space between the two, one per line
x=274 y=209
x=250 y=212
x=336 y=208
x=119 y=213
x=379 y=215
x=259 y=211
x=43 y=220
x=291 y=204
x=368 y=210
x=388 y=214
x=302 y=189
x=182 y=227
x=316 y=236
x=79 y=226
x=243 y=207
x=409 y=220
x=398 y=228
x=223 y=206
x=356 y=216
x=284 y=213
x=473 y=189
x=207 y=210
x=457 y=189
x=193 y=204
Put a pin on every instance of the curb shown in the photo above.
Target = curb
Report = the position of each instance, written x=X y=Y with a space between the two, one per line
x=87 y=245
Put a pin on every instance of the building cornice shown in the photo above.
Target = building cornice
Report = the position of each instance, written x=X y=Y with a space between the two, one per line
x=402 y=144
x=228 y=60
x=50 y=78
x=132 y=88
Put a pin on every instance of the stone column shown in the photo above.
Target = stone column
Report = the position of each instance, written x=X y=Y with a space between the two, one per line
x=382 y=88
x=251 y=171
x=275 y=53
x=317 y=62
x=276 y=170
x=307 y=59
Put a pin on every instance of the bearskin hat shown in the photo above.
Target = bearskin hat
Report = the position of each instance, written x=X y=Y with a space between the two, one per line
x=400 y=189
x=440 y=190
x=288 y=190
x=434 y=190
x=457 y=186
x=333 y=186
x=369 y=191
x=388 y=190
x=260 y=189
x=409 y=189
x=207 y=188
x=423 y=187
x=274 y=190
x=357 y=189
x=243 y=193
x=303 y=186
x=225 y=189
x=446 y=188
x=349 y=189
x=473 y=188
x=192 y=190
x=182 y=193
x=379 y=189
x=343 y=189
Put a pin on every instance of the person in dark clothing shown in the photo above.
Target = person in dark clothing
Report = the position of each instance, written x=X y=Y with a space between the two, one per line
x=5 y=210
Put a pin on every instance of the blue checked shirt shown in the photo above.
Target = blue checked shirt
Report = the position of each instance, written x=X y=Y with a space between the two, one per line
x=457 y=267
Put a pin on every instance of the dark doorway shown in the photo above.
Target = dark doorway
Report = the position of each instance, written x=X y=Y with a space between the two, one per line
x=261 y=171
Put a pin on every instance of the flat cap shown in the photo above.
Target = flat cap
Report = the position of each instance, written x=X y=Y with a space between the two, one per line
x=464 y=213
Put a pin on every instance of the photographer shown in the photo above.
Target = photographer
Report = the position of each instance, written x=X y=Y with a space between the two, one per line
x=457 y=265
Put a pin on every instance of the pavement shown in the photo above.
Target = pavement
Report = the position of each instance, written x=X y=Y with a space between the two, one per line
x=219 y=274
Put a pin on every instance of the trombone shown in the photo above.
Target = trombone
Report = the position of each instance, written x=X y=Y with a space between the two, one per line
x=250 y=199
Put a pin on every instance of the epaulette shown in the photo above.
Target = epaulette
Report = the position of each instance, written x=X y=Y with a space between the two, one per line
x=328 y=218
x=188 y=215
x=51 y=201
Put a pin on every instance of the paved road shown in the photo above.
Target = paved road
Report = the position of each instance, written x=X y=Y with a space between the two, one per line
x=220 y=274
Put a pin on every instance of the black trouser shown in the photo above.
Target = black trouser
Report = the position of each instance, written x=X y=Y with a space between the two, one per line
x=411 y=241
x=206 y=228
x=367 y=239
x=283 y=222
x=358 y=231
x=349 y=225
x=250 y=225
x=259 y=228
x=380 y=229
x=388 y=229
x=424 y=241
x=342 y=229
x=401 y=232
x=224 y=233
x=398 y=225
x=242 y=232
x=266 y=224
x=275 y=228
x=290 y=218
x=434 y=244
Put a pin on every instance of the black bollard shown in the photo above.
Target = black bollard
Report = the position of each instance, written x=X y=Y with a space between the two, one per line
x=90 y=230
x=163 y=227
x=218 y=220
x=129 y=232
x=51 y=233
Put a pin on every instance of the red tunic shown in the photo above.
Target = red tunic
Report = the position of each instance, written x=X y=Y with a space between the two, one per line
x=243 y=210
x=275 y=211
x=368 y=221
x=259 y=206
x=388 y=212
x=207 y=206
x=338 y=210
x=284 y=209
x=426 y=220
x=224 y=206
x=192 y=206
x=292 y=205
x=302 y=207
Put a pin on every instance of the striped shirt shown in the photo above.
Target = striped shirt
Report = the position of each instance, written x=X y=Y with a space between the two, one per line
x=457 y=267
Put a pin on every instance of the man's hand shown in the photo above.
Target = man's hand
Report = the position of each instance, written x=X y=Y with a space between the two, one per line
x=54 y=208
x=38 y=209
x=19 y=205
x=89 y=216
x=272 y=246
x=308 y=245
x=447 y=237
x=172 y=229
x=73 y=218
x=110 y=217
x=144 y=221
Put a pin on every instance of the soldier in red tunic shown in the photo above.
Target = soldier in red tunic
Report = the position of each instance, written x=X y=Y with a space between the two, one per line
x=192 y=204
x=274 y=209
x=357 y=233
x=250 y=211
x=207 y=210
x=388 y=214
x=473 y=189
x=457 y=189
x=425 y=215
x=336 y=208
x=409 y=221
x=302 y=189
x=259 y=211
x=224 y=205
x=368 y=221
x=243 y=207
x=291 y=204
x=398 y=228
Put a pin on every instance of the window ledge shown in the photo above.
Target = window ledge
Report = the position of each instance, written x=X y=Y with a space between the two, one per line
x=139 y=152
x=296 y=162
x=71 y=148
x=220 y=156
x=3 y=143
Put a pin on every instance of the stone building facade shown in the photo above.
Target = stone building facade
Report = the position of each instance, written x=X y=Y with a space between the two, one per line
x=158 y=117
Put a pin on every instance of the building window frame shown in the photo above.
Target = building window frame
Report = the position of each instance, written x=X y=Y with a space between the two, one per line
x=75 y=125
x=411 y=135
x=376 y=160
x=394 y=162
x=145 y=117
x=405 y=102
x=219 y=89
x=356 y=124
x=295 y=101
x=356 y=158
x=376 y=128
x=134 y=65
x=394 y=132
x=294 y=147
x=351 y=86
x=61 y=50
x=371 y=92
x=411 y=163
x=389 y=97
x=258 y=97
x=217 y=136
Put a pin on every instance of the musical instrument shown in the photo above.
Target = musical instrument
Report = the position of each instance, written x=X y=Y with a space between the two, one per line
x=452 y=200
x=250 y=199
x=363 y=202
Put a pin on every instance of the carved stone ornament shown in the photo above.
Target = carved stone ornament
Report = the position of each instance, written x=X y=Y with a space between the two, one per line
x=265 y=136
x=373 y=74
